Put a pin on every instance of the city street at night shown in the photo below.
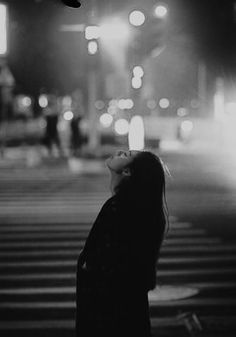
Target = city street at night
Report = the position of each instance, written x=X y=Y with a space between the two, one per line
x=46 y=212
x=117 y=168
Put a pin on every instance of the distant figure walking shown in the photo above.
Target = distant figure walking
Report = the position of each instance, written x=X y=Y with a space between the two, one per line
x=76 y=136
x=75 y=124
x=51 y=115
x=117 y=266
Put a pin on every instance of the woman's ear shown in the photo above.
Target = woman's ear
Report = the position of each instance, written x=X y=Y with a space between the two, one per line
x=126 y=172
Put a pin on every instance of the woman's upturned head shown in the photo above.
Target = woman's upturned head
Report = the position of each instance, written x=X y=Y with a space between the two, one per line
x=138 y=172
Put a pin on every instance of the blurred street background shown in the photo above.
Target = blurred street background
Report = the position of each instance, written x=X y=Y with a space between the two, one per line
x=76 y=84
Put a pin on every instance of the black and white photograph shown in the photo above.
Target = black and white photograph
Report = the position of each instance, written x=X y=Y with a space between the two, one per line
x=118 y=168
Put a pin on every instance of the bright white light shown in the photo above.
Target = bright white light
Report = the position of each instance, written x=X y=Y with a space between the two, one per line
x=122 y=127
x=136 y=82
x=68 y=115
x=122 y=104
x=106 y=120
x=164 y=103
x=92 y=32
x=26 y=101
x=3 y=29
x=137 y=18
x=138 y=71
x=125 y=103
x=161 y=11
x=136 y=133
x=187 y=126
x=114 y=29
x=92 y=47
x=43 y=101
x=129 y=103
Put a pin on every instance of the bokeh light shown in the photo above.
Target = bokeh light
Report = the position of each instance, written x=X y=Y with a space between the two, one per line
x=138 y=71
x=136 y=82
x=161 y=11
x=137 y=18
x=43 y=101
x=121 y=127
x=164 y=103
x=68 y=115
x=106 y=120
x=92 y=47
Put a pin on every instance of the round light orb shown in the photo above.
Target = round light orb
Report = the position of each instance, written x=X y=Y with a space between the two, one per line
x=122 y=127
x=92 y=47
x=68 y=115
x=137 y=18
x=106 y=120
x=187 y=126
x=122 y=104
x=161 y=11
x=136 y=82
x=26 y=101
x=138 y=71
x=129 y=103
x=164 y=103
x=43 y=101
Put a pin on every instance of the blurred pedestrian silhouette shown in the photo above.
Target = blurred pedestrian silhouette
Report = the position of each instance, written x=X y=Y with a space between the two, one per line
x=117 y=266
x=75 y=124
x=51 y=114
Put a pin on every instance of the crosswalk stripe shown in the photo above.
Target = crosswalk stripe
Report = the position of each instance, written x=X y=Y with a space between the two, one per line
x=71 y=304
x=69 y=324
x=81 y=227
x=71 y=290
x=72 y=243
x=77 y=232
x=165 y=260
x=67 y=252
x=160 y=273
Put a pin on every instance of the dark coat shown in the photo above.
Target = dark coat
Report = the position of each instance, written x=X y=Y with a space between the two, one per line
x=115 y=271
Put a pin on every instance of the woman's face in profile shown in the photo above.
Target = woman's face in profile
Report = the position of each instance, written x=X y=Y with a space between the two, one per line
x=120 y=160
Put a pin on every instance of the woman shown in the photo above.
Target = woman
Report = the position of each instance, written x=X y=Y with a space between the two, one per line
x=117 y=266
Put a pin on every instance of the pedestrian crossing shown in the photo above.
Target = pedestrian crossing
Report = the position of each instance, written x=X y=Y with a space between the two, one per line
x=44 y=221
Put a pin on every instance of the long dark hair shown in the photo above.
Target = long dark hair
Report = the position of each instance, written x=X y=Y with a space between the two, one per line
x=145 y=187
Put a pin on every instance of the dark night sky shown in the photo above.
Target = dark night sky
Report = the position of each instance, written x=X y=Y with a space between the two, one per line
x=42 y=57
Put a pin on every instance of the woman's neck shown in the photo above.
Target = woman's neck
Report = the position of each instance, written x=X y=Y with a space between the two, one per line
x=115 y=181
